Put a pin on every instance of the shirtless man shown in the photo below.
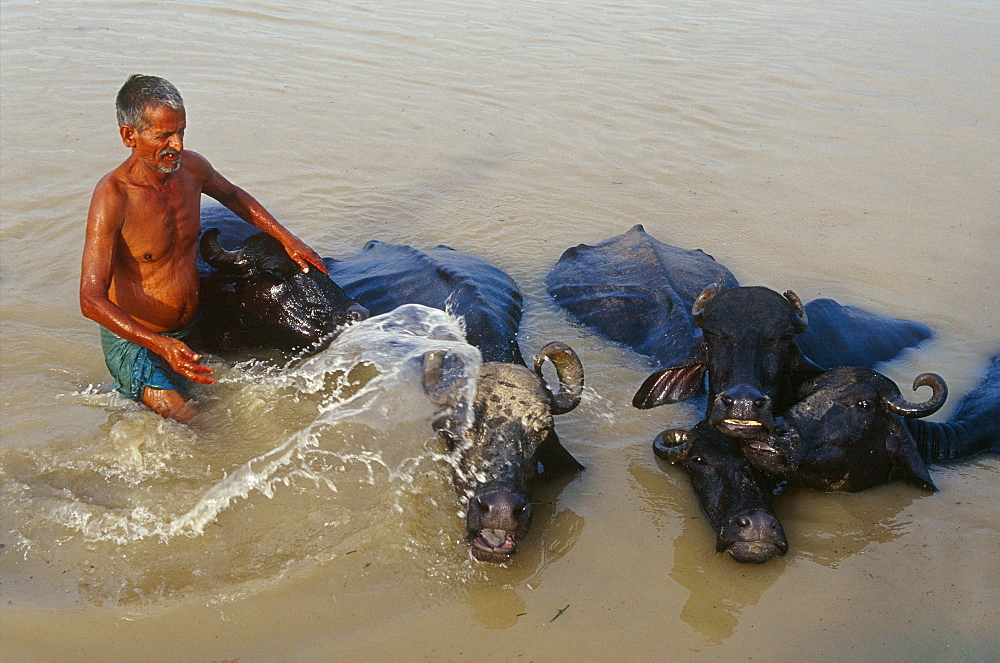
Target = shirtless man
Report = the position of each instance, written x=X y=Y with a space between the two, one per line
x=139 y=279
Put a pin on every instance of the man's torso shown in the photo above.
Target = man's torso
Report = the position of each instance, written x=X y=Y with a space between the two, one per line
x=154 y=273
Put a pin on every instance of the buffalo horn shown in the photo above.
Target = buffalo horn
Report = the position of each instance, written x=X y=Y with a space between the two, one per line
x=672 y=445
x=443 y=377
x=569 y=368
x=214 y=254
x=895 y=402
x=801 y=319
x=698 y=308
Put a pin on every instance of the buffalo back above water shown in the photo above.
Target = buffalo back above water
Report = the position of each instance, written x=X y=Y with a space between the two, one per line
x=385 y=276
x=635 y=290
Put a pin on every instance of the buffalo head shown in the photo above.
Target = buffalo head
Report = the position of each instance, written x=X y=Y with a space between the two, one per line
x=511 y=432
x=734 y=497
x=748 y=350
x=266 y=299
x=853 y=435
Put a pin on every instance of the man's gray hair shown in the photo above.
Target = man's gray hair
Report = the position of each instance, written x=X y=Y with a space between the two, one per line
x=141 y=92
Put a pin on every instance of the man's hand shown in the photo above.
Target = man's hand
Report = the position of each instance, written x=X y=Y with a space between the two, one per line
x=303 y=256
x=184 y=360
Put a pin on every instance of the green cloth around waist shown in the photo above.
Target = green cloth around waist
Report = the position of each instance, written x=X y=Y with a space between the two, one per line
x=134 y=367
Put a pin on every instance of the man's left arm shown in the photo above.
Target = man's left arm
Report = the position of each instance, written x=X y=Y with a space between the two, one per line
x=250 y=210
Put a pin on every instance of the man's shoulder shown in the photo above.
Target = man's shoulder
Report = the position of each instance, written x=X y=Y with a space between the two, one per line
x=195 y=164
x=112 y=186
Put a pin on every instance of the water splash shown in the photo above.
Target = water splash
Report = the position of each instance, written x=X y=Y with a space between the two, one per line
x=300 y=461
x=392 y=347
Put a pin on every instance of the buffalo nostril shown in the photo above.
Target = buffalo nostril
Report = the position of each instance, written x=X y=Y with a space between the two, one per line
x=518 y=510
x=483 y=505
x=761 y=403
x=727 y=400
x=743 y=522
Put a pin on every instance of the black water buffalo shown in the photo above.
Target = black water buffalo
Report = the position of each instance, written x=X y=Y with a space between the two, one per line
x=512 y=428
x=748 y=351
x=637 y=291
x=734 y=496
x=852 y=429
x=688 y=313
x=255 y=295
x=850 y=423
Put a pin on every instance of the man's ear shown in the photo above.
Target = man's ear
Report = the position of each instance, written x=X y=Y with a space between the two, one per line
x=128 y=135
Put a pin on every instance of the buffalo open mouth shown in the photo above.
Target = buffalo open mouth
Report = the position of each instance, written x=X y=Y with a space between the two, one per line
x=742 y=423
x=741 y=427
x=755 y=552
x=493 y=545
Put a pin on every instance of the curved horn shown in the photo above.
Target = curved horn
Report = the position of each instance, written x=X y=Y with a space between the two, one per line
x=895 y=402
x=214 y=254
x=672 y=445
x=801 y=319
x=698 y=308
x=569 y=368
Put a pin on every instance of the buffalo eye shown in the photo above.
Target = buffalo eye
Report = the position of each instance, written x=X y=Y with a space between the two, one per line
x=864 y=404
x=450 y=437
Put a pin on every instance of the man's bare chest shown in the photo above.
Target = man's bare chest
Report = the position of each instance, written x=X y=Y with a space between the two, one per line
x=160 y=224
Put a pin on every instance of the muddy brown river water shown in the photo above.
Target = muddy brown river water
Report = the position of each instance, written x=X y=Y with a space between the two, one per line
x=843 y=149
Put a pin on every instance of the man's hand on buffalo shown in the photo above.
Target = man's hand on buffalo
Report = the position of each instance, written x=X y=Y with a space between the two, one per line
x=303 y=256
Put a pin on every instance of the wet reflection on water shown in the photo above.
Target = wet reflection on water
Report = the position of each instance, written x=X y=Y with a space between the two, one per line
x=822 y=528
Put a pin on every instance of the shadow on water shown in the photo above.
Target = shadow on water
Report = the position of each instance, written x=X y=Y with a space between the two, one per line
x=822 y=528
x=497 y=602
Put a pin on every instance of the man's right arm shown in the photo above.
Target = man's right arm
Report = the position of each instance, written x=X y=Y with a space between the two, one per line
x=104 y=225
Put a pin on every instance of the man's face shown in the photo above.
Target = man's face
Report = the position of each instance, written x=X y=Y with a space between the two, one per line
x=160 y=143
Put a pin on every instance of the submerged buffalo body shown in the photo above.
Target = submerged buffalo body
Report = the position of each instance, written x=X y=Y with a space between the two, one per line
x=973 y=428
x=734 y=496
x=255 y=295
x=512 y=427
x=637 y=291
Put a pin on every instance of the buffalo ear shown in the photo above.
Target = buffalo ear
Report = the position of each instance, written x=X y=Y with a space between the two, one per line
x=673 y=445
x=443 y=377
x=447 y=429
x=554 y=457
x=670 y=385
x=803 y=369
x=906 y=461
